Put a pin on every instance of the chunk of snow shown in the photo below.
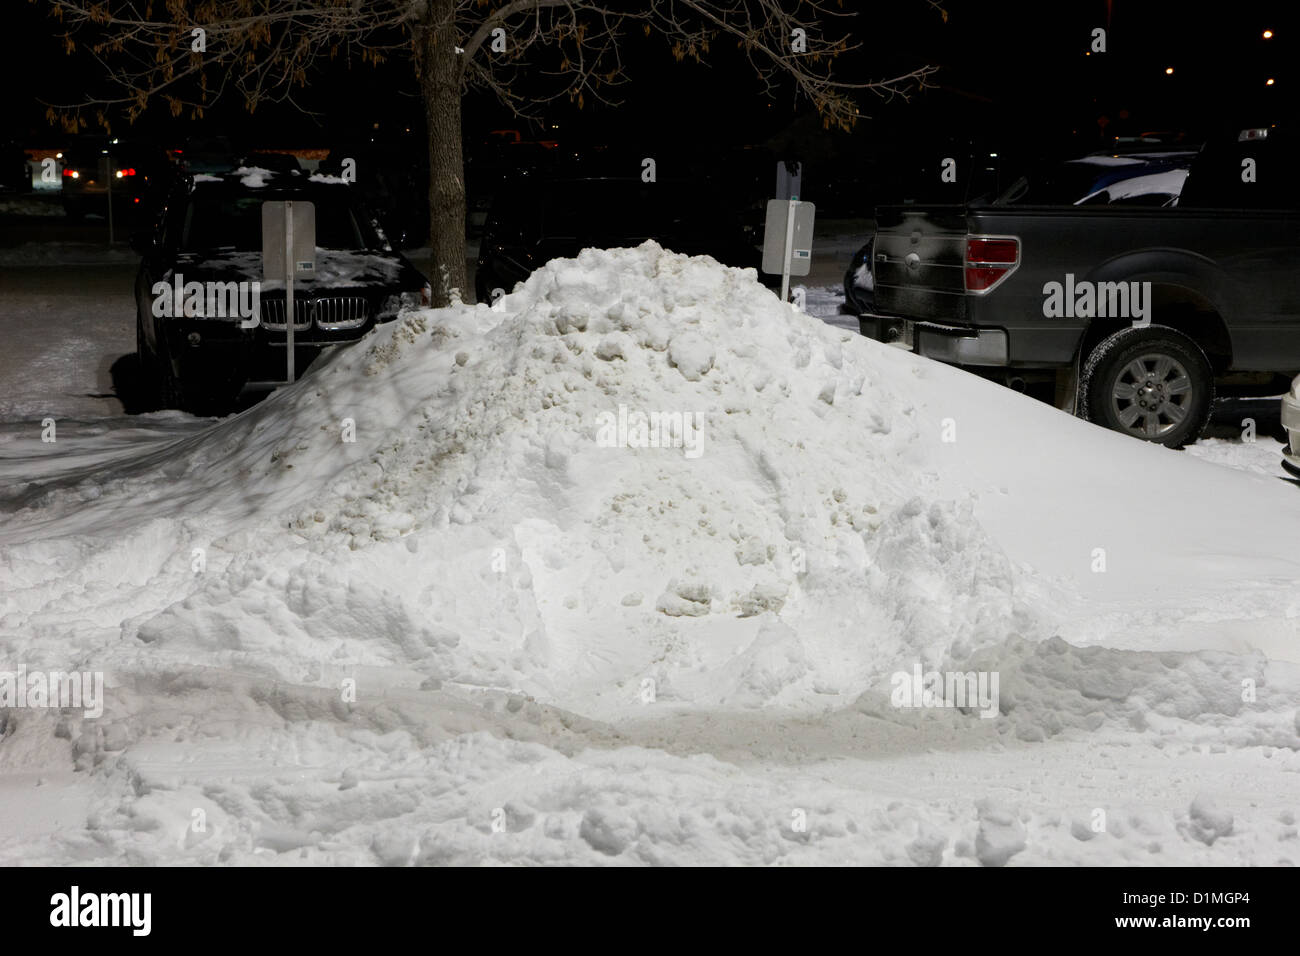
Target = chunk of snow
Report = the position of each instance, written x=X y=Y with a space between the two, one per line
x=255 y=177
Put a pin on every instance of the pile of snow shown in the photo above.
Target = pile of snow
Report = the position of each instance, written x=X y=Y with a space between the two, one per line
x=482 y=466
x=623 y=567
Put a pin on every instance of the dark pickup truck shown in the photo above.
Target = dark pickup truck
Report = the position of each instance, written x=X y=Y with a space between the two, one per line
x=1134 y=311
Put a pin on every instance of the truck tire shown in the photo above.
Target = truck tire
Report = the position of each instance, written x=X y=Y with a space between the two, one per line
x=1153 y=383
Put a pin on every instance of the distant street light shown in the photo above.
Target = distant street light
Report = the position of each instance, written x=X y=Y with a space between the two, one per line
x=1169 y=71
x=1270 y=82
x=1268 y=34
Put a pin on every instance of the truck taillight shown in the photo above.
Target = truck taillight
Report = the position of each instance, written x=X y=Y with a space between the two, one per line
x=989 y=260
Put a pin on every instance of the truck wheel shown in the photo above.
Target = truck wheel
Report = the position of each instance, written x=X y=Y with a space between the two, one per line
x=1153 y=383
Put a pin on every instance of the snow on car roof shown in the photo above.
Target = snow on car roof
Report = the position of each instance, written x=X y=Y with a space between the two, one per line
x=1167 y=183
x=254 y=176
x=1108 y=161
x=247 y=178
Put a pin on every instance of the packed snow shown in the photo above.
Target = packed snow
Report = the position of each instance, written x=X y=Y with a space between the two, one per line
x=446 y=601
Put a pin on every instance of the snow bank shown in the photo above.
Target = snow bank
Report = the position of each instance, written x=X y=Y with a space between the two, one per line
x=481 y=502
x=510 y=583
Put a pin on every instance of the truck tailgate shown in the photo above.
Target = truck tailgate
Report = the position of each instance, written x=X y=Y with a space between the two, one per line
x=919 y=261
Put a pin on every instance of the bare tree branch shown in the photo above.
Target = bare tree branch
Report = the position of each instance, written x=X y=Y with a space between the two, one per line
x=191 y=54
x=262 y=50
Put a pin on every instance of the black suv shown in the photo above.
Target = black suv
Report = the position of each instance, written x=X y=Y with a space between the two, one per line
x=208 y=230
x=536 y=220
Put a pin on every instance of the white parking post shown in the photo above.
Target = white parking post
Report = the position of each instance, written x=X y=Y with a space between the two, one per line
x=108 y=179
x=788 y=249
x=288 y=288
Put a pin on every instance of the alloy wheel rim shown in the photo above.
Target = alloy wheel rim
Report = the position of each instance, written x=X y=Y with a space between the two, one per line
x=1152 y=395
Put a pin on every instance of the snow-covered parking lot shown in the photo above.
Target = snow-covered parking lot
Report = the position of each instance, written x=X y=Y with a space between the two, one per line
x=639 y=565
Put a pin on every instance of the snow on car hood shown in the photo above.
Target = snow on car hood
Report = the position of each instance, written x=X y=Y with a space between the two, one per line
x=478 y=541
x=333 y=268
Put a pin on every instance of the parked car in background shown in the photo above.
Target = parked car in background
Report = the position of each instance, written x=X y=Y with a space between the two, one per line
x=1143 y=177
x=859 y=286
x=15 y=173
x=497 y=161
x=536 y=220
x=209 y=230
x=277 y=161
x=207 y=154
x=392 y=181
x=1146 y=307
x=95 y=168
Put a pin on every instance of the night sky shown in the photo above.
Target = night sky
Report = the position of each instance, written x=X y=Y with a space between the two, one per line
x=1014 y=75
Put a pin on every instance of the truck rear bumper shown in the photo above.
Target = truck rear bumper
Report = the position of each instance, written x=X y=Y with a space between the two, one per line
x=954 y=344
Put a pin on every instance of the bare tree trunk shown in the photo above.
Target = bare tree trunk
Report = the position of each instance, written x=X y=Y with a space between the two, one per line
x=440 y=87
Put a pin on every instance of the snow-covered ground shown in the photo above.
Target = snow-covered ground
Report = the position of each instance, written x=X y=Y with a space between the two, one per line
x=456 y=597
x=29 y=205
x=827 y=304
